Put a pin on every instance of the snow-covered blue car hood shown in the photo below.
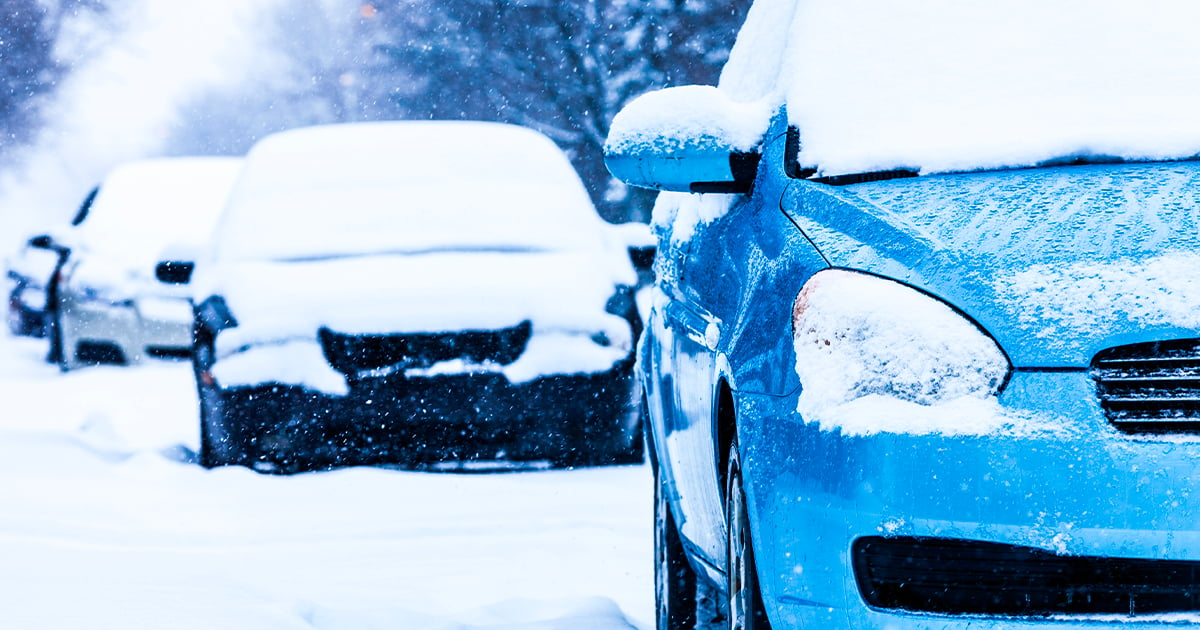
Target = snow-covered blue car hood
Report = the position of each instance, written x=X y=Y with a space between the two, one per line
x=1056 y=263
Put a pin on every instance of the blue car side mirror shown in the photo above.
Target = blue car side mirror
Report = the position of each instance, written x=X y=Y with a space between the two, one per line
x=686 y=139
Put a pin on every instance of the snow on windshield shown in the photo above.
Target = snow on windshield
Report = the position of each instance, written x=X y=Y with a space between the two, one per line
x=406 y=187
x=144 y=208
x=945 y=85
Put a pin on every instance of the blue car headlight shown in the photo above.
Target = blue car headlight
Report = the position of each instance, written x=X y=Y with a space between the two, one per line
x=858 y=335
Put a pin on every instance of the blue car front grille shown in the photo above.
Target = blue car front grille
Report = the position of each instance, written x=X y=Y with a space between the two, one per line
x=952 y=576
x=1151 y=387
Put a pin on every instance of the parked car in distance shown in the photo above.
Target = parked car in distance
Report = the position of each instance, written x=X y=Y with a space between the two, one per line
x=120 y=295
x=415 y=293
x=30 y=271
x=925 y=345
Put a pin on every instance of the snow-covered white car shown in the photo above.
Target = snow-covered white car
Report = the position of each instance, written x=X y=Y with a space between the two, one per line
x=29 y=273
x=414 y=293
x=121 y=297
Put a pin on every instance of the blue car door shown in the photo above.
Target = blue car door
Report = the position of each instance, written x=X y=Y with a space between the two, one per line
x=693 y=313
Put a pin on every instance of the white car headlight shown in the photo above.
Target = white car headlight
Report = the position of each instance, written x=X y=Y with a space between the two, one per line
x=858 y=335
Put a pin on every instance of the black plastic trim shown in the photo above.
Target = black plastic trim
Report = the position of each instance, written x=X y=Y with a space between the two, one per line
x=955 y=576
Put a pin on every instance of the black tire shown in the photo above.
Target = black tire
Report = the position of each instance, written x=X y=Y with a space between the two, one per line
x=746 y=610
x=683 y=599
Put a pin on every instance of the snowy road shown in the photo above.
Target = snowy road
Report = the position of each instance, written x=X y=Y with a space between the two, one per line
x=104 y=523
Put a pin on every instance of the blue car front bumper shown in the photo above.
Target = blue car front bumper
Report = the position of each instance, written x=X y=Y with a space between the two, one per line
x=1080 y=489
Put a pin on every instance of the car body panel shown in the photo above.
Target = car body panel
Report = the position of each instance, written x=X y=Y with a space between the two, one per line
x=1056 y=263
x=1078 y=488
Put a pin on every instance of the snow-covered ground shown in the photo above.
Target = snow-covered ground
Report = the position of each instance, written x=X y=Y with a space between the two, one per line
x=105 y=522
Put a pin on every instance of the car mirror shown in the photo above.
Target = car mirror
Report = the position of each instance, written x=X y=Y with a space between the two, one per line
x=174 y=272
x=42 y=241
x=686 y=139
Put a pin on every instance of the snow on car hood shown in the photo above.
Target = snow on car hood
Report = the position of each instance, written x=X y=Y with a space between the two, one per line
x=1056 y=263
x=431 y=292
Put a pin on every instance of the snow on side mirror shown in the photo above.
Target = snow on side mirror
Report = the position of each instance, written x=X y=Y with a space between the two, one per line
x=686 y=139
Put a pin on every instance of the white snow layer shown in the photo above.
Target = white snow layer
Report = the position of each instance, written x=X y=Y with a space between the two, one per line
x=146 y=211
x=690 y=115
x=946 y=85
x=288 y=362
x=874 y=355
x=1160 y=291
x=149 y=207
x=406 y=187
x=107 y=525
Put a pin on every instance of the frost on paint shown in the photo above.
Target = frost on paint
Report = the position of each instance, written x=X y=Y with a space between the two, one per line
x=874 y=355
x=1159 y=291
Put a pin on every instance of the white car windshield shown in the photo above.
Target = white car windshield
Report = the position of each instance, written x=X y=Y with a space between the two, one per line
x=308 y=196
x=144 y=208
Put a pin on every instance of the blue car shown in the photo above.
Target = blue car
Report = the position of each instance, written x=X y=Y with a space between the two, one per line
x=901 y=399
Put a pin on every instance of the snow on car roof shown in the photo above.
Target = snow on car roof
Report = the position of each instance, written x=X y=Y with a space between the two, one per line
x=406 y=187
x=945 y=85
x=148 y=205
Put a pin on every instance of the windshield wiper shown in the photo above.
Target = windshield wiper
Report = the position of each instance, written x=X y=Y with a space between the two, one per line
x=861 y=178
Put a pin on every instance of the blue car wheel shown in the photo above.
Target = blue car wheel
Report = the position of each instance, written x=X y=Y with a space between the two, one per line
x=746 y=610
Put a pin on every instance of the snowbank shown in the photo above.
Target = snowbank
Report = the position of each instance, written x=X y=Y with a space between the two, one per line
x=108 y=524
x=946 y=85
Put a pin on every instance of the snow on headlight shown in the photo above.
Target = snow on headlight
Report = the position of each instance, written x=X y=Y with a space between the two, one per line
x=858 y=336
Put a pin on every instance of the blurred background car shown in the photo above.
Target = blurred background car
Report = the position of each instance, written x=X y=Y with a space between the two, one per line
x=414 y=293
x=30 y=271
x=119 y=295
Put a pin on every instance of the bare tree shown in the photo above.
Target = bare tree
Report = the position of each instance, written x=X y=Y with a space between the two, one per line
x=29 y=69
x=563 y=67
